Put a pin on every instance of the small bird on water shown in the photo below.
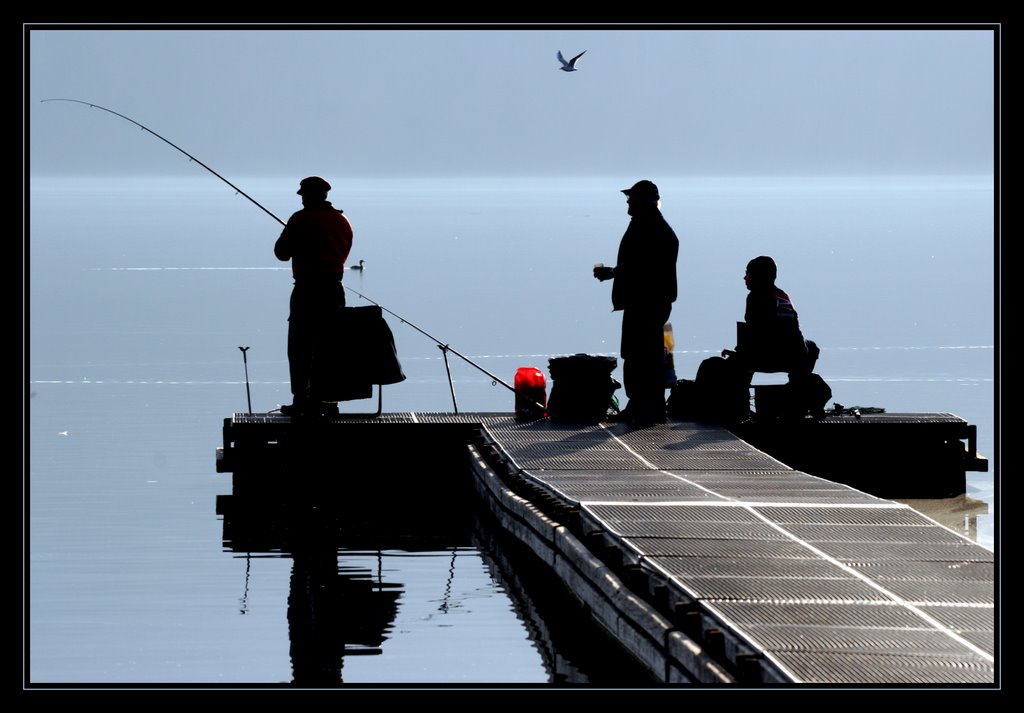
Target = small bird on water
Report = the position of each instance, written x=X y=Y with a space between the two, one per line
x=569 y=66
x=357 y=267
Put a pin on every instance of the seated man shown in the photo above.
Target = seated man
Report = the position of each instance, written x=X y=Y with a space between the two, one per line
x=770 y=340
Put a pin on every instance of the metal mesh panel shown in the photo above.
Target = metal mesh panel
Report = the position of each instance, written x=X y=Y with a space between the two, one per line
x=827 y=668
x=783 y=589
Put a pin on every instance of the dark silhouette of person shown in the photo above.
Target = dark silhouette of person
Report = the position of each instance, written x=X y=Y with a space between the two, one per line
x=643 y=289
x=769 y=339
x=317 y=239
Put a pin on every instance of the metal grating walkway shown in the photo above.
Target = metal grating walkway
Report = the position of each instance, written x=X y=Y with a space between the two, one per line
x=833 y=585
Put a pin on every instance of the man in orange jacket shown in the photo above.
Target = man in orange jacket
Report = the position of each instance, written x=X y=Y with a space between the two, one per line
x=317 y=240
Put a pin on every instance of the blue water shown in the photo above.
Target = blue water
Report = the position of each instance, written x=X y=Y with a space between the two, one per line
x=141 y=292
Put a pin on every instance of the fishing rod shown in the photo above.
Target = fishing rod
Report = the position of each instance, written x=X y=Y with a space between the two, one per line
x=445 y=348
x=175 y=146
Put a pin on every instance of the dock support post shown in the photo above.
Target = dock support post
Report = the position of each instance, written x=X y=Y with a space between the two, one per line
x=686 y=617
x=637 y=581
x=659 y=595
x=714 y=642
x=748 y=668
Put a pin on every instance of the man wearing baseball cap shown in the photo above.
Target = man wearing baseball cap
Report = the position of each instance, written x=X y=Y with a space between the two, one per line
x=643 y=289
x=317 y=240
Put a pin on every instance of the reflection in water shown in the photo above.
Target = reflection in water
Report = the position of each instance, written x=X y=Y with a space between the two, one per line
x=333 y=610
x=443 y=607
x=315 y=631
x=243 y=603
x=332 y=613
x=338 y=609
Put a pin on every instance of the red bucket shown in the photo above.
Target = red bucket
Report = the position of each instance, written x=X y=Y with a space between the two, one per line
x=531 y=393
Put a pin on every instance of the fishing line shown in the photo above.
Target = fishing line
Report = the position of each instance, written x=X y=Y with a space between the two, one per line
x=445 y=348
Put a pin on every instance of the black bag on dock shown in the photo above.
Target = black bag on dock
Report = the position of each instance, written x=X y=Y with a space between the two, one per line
x=721 y=392
x=357 y=352
x=810 y=393
x=582 y=388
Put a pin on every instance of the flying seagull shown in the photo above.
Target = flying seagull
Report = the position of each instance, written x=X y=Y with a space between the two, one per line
x=569 y=66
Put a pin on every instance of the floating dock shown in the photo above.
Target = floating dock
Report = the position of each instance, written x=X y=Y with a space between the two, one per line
x=709 y=560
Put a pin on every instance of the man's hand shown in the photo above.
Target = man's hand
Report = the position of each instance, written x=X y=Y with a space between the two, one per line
x=604 y=273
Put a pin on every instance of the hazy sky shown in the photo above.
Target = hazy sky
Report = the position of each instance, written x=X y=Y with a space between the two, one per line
x=382 y=102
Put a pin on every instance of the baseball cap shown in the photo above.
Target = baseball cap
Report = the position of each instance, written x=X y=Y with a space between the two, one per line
x=643 y=188
x=313 y=183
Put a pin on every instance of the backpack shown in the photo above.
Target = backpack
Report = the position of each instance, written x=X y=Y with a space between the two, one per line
x=582 y=388
x=719 y=394
x=810 y=394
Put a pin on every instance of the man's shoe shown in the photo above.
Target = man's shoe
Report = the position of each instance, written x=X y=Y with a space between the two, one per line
x=298 y=408
x=641 y=418
x=644 y=417
x=319 y=408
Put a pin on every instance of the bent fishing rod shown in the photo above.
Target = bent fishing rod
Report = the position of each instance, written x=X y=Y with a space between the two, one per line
x=190 y=156
x=445 y=348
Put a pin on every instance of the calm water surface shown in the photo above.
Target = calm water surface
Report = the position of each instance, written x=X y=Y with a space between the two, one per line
x=141 y=293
